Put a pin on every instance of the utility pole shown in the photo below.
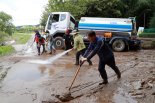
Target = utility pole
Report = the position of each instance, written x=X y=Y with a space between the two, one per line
x=145 y=14
x=144 y=19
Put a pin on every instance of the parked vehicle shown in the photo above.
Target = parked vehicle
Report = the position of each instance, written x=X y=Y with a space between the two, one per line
x=120 y=33
x=57 y=24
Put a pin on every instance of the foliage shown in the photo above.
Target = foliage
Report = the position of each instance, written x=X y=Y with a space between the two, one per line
x=147 y=35
x=6 y=25
x=103 y=8
x=5 y=50
x=21 y=38
x=152 y=22
x=27 y=28
x=77 y=8
x=150 y=30
x=2 y=36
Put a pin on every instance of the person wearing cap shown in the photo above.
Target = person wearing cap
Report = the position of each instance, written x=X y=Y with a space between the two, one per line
x=68 y=40
x=79 y=46
x=106 y=57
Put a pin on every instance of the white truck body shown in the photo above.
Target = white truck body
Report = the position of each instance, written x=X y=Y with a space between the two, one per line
x=117 y=31
x=102 y=25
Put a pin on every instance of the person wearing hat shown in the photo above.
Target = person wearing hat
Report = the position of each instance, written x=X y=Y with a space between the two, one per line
x=79 y=46
x=106 y=57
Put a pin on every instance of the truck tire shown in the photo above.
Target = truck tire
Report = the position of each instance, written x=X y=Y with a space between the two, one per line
x=118 y=45
x=59 y=43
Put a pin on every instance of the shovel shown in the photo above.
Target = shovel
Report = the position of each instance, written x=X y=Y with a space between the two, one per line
x=67 y=96
x=78 y=69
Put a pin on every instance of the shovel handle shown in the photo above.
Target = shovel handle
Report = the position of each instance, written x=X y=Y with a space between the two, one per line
x=76 y=75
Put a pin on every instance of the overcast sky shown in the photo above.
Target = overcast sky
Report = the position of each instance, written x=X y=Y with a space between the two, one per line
x=24 y=12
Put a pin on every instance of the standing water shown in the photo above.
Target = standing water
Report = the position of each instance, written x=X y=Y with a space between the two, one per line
x=50 y=60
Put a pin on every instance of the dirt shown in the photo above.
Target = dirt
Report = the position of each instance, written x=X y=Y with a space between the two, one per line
x=24 y=82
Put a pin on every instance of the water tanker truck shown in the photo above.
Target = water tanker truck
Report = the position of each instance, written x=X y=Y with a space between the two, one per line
x=119 y=33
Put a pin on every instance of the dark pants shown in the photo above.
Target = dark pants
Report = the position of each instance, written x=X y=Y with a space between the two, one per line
x=111 y=63
x=81 y=52
x=38 y=48
x=68 y=46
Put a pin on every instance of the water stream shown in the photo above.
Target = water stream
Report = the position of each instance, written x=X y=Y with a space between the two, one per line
x=50 y=60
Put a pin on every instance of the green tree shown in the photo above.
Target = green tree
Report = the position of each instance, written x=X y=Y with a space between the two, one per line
x=77 y=7
x=141 y=9
x=152 y=22
x=44 y=17
x=103 y=8
x=6 y=25
x=2 y=36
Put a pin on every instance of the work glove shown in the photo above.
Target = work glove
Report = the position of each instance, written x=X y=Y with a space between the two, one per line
x=83 y=59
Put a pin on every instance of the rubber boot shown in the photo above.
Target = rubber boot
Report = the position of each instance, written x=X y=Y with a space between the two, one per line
x=118 y=72
x=104 y=82
x=38 y=50
x=77 y=63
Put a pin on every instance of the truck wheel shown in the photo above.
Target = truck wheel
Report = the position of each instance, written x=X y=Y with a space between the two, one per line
x=118 y=45
x=59 y=43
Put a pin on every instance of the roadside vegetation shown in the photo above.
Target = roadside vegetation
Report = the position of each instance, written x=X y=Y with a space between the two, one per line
x=21 y=38
x=6 y=50
x=148 y=33
x=6 y=30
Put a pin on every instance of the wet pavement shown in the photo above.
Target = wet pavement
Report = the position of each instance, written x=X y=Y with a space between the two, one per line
x=27 y=82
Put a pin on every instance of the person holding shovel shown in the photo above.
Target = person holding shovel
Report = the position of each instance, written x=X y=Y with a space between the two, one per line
x=79 y=46
x=106 y=56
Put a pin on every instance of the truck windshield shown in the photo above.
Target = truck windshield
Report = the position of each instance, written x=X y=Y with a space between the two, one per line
x=53 y=18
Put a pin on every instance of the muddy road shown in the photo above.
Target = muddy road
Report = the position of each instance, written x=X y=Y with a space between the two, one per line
x=25 y=82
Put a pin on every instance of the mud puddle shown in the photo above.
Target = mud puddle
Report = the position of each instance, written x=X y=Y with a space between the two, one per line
x=38 y=83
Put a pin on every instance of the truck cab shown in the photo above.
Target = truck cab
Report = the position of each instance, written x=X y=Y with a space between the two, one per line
x=57 y=24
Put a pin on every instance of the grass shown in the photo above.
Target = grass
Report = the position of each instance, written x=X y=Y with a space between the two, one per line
x=147 y=35
x=21 y=38
x=6 y=50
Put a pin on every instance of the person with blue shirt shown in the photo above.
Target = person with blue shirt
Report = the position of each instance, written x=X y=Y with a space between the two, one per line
x=106 y=57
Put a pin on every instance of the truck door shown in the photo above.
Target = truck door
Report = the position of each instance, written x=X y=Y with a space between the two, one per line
x=72 y=23
x=55 y=23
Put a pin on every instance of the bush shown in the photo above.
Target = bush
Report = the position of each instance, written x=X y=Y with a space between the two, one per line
x=5 y=50
x=147 y=35
x=151 y=30
x=2 y=36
